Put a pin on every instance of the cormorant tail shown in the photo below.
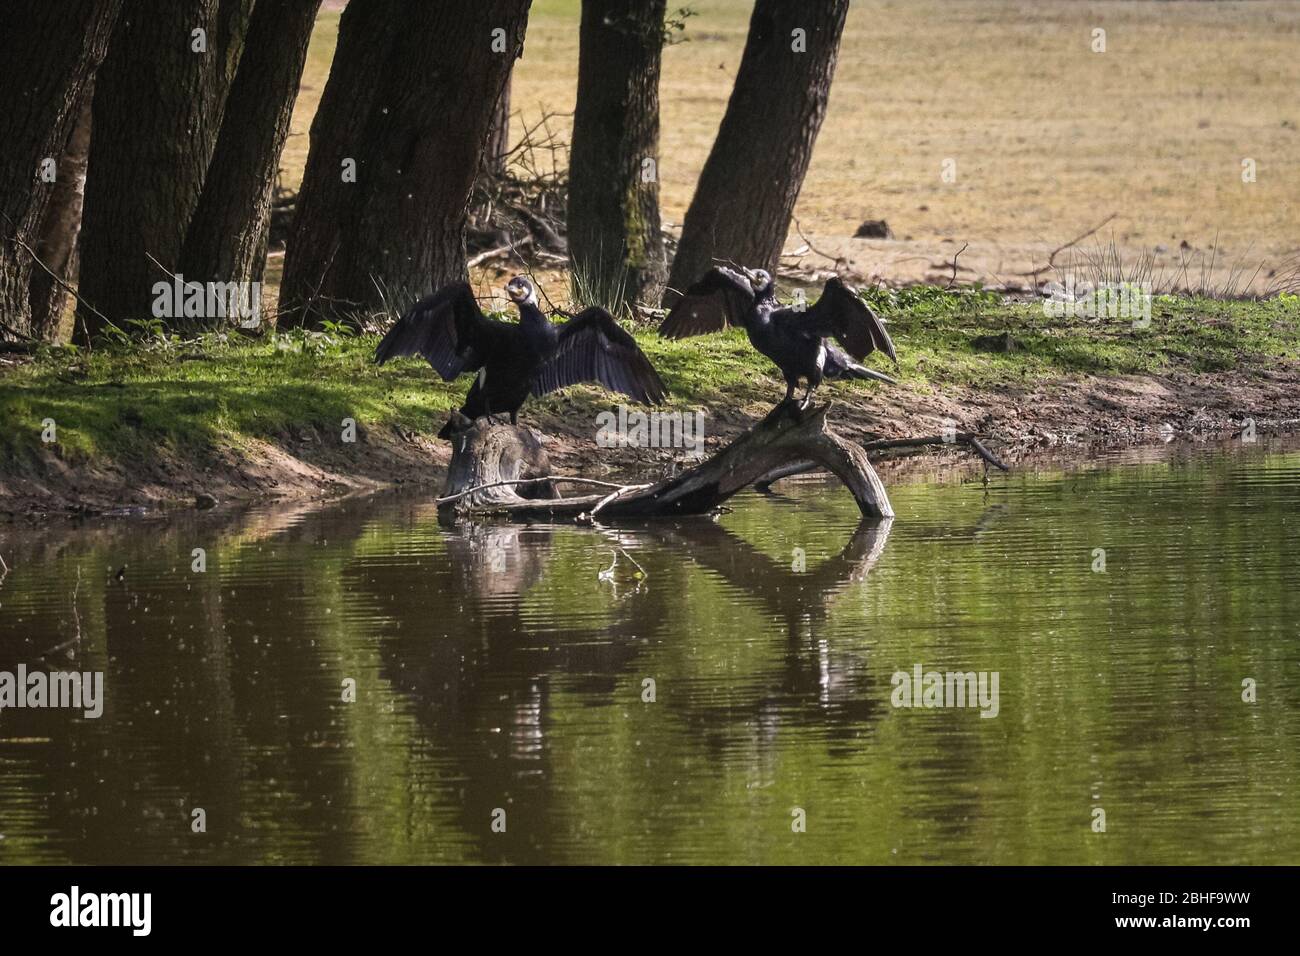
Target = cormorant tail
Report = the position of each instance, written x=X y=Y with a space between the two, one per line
x=849 y=369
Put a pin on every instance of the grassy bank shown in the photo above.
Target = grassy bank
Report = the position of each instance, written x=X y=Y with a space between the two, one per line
x=165 y=415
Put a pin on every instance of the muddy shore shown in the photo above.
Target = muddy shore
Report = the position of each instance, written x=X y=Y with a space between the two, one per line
x=1069 y=418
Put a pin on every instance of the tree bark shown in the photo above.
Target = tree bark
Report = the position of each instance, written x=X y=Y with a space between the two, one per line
x=616 y=250
x=498 y=141
x=226 y=240
x=48 y=54
x=157 y=111
x=57 y=245
x=487 y=453
x=746 y=194
x=410 y=100
x=368 y=31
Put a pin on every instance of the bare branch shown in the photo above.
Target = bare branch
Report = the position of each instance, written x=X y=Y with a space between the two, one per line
x=531 y=481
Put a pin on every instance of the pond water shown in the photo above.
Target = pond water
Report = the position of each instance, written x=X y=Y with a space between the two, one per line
x=503 y=680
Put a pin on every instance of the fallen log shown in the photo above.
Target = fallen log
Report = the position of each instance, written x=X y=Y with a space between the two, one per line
x=492 y=463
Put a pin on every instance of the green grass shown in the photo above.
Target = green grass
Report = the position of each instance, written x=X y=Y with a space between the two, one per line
x=935 y=331
x=202 y=393
x=218 y=391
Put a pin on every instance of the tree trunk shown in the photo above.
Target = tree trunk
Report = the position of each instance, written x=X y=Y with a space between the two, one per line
x=158 y=108
x=498 y=141
x=368 y=30
x=410 y=101
x=226 y=241
x=485 y=453
x=746 y=194
x=48 y=54
x=57 y=246
x=616 y=251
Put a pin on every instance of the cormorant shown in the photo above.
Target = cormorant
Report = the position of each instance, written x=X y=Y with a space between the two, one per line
x=514 y=360
x=796 y=340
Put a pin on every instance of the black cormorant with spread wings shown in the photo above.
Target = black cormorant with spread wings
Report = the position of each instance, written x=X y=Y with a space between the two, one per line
x=796 y=340
x=513 y=360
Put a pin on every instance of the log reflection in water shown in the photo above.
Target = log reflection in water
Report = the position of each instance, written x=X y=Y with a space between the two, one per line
x=480 y=668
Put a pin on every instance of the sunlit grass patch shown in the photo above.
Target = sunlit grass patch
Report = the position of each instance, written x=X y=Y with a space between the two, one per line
x=220 y=391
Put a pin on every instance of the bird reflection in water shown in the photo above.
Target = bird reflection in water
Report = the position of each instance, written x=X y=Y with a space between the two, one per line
x=481 y=661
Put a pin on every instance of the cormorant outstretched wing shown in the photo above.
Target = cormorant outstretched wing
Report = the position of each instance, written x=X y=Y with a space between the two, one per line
x=447 y=328
x=720 y=298
x=842 y=313
x=593 y=348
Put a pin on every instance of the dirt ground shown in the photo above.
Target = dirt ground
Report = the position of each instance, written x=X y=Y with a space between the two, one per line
x=1047 y=138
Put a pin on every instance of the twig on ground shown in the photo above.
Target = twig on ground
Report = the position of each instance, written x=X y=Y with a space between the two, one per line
x=954 y=265
x=486 y=254
x=1051 y=259
x=841 y=262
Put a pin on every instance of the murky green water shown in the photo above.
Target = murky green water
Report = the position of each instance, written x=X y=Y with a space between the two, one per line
x=496 y=668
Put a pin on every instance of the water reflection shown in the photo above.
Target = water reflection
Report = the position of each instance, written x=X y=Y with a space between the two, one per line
x=818 y=681
x=508 y=667
x=479 y=669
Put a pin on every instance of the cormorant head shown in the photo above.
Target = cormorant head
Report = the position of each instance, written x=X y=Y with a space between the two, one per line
x=760 y=280
x=521 y=291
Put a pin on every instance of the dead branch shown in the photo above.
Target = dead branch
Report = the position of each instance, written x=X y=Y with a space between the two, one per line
x=489 y=461
x=954 y=264
x=841 y=262
x=1051 y=259
x=524 y=204
x=515 y=482
x=967 y=439
x=60 y=282
x=958 y=438
x=487 y=254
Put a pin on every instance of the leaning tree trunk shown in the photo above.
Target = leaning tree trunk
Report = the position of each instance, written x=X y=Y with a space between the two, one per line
x=746 y=194
x=226 y=241
x=616 y=251
x=366 y=243
x=158 y=107
x=498 y=141
x=57 y=246
x=491 y=464
x=48 y=55
x=368 y=31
